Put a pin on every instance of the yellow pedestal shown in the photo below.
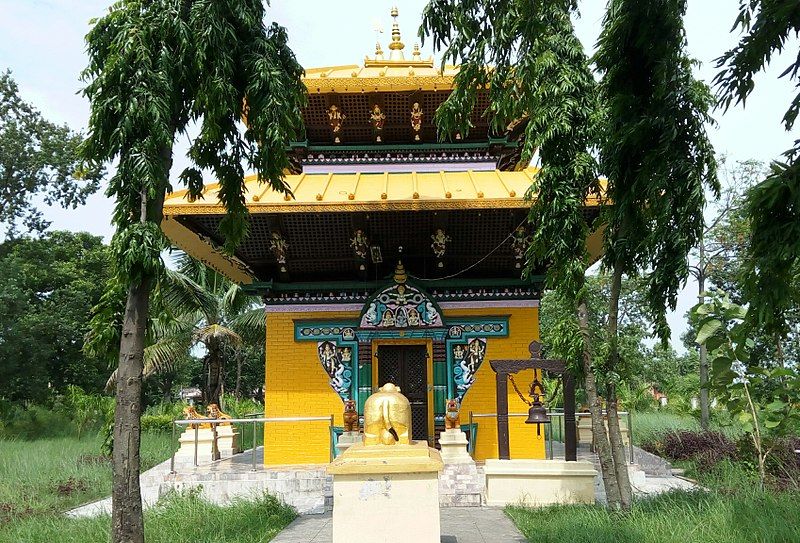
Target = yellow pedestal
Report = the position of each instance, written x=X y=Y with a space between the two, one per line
x=386 y=494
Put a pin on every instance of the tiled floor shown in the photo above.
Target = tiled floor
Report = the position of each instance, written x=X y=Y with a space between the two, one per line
x=459 y=525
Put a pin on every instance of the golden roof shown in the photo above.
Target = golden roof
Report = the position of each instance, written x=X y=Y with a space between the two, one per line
x=379 y=73
x=388 y=191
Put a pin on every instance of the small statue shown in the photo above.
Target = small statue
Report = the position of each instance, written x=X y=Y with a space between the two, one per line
x=190 y=413
x=278 y=246
x=214 y=412
x=452 y=419
x=416 y=120
x=350 y=416
x=387 y=417
x=439 y=244
x=378 y=120
x=360 y=244
x=336 y=118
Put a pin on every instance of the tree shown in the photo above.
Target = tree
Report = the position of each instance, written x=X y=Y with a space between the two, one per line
x=658 y=159
x=155 y=68
x=541 y=74
x=47 y=290
x=194 y=305
x=720 y=252
x=772 y=206
x=37 y=158
x=764 y=400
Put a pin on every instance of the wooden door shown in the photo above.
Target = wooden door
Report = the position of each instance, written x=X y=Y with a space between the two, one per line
x=407 y=367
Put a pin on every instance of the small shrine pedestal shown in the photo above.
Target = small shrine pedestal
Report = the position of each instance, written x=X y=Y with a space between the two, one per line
x=539 y=482
x=205 y=446
x=386 y=493
x=346 y=440
x=460 y=484
x=227 y=440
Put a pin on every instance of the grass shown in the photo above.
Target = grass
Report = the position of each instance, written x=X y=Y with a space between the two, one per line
x=40 y=479
x=51 y=475
x=182 y=517
x=677 y=517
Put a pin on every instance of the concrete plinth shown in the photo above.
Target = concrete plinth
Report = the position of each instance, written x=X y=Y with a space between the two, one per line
x=454 y=447
x=205 y=446
x=386 y=494
x=346 y=440
x=227 y=440
x=538 y=482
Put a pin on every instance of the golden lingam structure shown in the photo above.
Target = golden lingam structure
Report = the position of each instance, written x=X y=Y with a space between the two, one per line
x=387 y=417
x=387 y=484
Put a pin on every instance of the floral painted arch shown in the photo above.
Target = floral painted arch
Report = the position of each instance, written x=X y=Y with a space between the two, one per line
x=401 y=305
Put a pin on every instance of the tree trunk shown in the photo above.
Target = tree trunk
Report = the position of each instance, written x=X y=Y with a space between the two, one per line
x=127 y=522
x=238 y=391
x=618 y=449
x=599 y=435
x=701 y=287
x=214 y=373
x=614 y=433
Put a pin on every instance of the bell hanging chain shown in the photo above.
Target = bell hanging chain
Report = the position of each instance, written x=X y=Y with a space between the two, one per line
x=521 y=397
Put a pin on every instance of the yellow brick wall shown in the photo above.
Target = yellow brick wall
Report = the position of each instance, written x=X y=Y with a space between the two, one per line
x=297 y=386
x=523 y=325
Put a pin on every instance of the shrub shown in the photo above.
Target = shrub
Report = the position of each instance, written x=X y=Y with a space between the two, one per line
x=782 y=464
x=705 y=448
x=157 y=423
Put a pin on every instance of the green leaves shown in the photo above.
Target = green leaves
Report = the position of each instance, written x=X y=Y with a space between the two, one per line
x=654 y=150
x=157 y=66
x=37 y=159
x=760 y=397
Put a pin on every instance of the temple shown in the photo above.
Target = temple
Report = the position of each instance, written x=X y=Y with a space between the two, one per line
x=397 y=258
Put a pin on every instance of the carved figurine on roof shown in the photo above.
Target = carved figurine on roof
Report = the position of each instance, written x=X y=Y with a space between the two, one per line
x=378 y=119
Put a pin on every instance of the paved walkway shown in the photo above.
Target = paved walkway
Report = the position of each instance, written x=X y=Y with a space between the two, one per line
x=459 y=525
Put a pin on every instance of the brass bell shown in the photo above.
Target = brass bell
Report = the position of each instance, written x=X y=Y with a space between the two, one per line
x=537 y=414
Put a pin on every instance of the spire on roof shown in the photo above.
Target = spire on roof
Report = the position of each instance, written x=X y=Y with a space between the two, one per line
x=397 y=46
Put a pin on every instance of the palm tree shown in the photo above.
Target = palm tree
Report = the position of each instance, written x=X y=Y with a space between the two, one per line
x=195 y=306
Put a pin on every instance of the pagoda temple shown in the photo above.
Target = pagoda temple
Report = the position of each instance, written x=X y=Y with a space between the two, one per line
x=398 y=258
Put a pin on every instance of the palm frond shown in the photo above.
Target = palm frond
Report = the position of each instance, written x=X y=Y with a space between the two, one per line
x=251 y=326
x=160 y=357
x=217 y=331
x=182 y=294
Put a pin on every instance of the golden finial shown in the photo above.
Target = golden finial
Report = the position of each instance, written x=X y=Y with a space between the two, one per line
x=378 y=51
x=416 y=54
x=400 y=273
x=396 y=46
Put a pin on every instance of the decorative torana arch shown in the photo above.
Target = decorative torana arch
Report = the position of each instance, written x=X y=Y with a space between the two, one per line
x=402 y=310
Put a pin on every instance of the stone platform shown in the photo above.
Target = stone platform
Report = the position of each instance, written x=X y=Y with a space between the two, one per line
x=310 y=490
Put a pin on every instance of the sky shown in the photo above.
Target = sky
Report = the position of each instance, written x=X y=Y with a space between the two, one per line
x=41 y=41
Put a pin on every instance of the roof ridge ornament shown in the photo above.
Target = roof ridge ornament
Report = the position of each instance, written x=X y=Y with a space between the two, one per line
x=397 y=46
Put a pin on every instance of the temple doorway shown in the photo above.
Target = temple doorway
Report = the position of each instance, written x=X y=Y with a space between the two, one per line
x=407 y=367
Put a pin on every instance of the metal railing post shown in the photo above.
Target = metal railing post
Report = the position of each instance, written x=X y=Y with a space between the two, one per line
x=172 y=446
x=550 y=438
x=253 y=450
x=630 y=434
x=196 y=437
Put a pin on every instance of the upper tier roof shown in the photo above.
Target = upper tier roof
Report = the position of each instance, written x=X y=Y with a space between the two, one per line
x=383 y=72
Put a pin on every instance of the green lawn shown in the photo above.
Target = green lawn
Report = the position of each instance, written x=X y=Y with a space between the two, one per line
x=678 y=517
x=39 y=479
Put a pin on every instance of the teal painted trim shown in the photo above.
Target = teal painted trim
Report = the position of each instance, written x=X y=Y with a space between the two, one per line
x=331 y=335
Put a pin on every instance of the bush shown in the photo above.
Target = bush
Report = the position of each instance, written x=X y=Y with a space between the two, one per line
x=157 y=423
x=705 y=448
x=782 y=464
x=34 y=422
